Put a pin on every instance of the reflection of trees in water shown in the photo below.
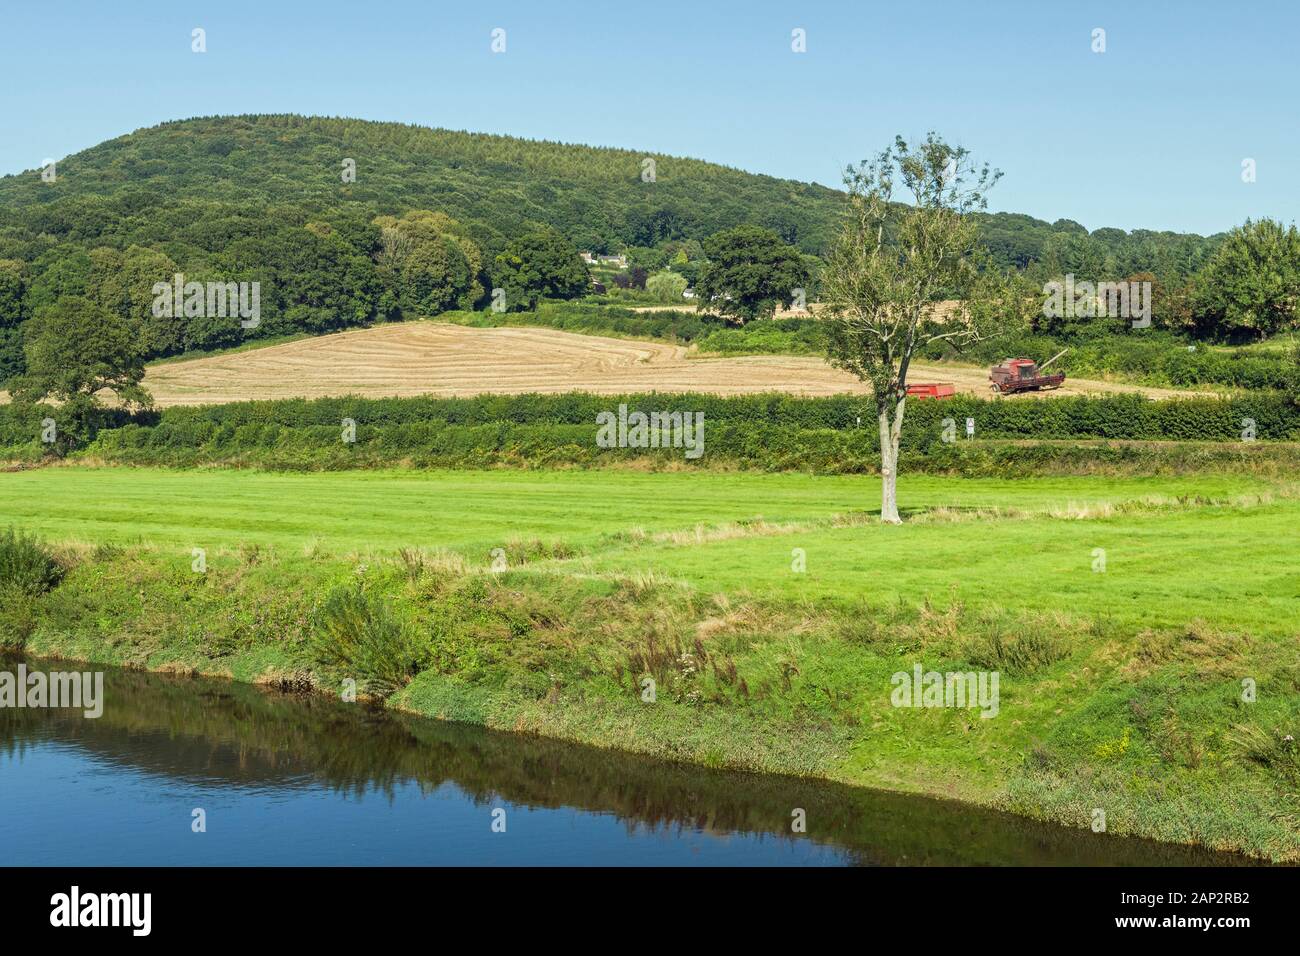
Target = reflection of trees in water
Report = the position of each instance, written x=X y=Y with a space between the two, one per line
x=229 y=734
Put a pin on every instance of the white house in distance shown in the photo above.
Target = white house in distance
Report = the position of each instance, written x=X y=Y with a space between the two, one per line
x=619 y=261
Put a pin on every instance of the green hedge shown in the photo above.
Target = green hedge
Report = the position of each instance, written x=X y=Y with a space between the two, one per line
x=765 y=431
x=1120 y=416
x=790 y=336
x=671 y=325
x=745 y=447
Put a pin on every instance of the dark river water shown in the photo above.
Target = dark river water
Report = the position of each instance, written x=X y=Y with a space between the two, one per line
x=303 y=780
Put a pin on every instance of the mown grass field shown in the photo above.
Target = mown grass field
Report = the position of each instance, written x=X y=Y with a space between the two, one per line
x=1166 y=562
x=1120 y=689
x=473 y=511
x=1223 y=565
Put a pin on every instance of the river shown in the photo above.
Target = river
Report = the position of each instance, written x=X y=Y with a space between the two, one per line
x=289 y=779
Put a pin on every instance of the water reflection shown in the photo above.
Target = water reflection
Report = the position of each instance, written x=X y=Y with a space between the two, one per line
x=243 y=744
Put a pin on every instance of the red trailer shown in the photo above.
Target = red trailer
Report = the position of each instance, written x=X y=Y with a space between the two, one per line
x=931 y=390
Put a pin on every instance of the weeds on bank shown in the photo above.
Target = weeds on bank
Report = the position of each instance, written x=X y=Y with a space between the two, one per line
x=26 y=564
x=28 y=569
x=359 y=633
x=1026 y=650
x=1272 y=748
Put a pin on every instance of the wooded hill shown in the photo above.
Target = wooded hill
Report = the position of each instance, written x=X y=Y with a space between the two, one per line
x=502 y=185
x=433 y=220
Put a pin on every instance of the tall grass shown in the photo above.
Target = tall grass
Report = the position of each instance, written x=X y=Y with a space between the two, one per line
x=1034 y=647
x=1274 y=749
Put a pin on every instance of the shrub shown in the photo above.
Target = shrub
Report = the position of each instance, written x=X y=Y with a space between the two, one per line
x=360 y=633
x=17 y=618
x=1033 y=648
x=26 y=565
x=27 y=570
x=666 y=286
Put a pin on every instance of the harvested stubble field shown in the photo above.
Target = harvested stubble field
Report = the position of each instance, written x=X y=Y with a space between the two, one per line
x=433 y=358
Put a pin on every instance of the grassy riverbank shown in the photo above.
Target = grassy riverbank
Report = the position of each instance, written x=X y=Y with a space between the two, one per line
x=767 y=609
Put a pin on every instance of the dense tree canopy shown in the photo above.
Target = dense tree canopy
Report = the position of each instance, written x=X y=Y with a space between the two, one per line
x=13 y=305
x=74 y=350
x=749 y=272
x=430 y=261
x=594 y=196
x=1252 y=285
x=540 y=265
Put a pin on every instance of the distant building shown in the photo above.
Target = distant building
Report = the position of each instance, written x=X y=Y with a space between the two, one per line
x=604 y=260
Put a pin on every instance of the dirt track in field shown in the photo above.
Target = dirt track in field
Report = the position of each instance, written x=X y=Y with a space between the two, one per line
x=431 y=358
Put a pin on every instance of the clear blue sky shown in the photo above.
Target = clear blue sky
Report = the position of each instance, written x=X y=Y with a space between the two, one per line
x=1150 y=133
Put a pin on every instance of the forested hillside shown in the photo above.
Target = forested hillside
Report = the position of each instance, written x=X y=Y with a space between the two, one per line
x=596 y=197
x=502 y=184
x=432 y=220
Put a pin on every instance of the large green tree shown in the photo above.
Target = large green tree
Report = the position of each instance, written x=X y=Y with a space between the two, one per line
x=883 y=303
x=75 y=349
x=431 y=262
x=749 y=272
x=540 y=265
x=310 y=279
x=1251 y=285
x=123 y=283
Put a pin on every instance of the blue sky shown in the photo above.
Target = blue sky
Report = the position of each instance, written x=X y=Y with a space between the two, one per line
x=1149 y=134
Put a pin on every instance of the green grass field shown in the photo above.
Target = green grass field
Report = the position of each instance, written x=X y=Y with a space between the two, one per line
x=1120 y=689
x=1165 y=565
x=1216 y=564
x=467 y=510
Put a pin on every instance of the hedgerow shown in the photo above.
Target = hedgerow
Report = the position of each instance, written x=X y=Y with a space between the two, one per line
x=769 y=431
x=1150 y=356
x=765 y=431
x=252 y=424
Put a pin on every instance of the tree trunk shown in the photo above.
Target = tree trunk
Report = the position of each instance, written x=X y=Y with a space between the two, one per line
x=889 y=435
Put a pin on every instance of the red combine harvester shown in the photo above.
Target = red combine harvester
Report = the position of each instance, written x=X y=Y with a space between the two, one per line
x=1024 y=375
x=931 y=390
